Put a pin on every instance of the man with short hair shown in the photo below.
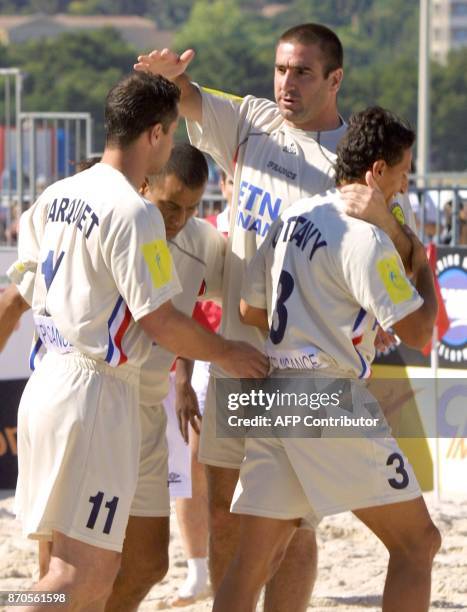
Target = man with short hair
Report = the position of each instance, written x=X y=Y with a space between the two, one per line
x=102 y=291
x=321 y=304
x=277 y=152
x=197 y=251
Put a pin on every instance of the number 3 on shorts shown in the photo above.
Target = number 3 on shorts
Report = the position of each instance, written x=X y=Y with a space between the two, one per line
x=394 y=482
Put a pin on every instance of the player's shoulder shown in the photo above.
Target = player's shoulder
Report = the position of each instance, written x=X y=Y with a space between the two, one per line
x=199 y=235
x=262 y=113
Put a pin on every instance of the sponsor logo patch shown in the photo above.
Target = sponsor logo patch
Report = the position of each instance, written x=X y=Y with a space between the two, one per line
x=159 y=262
x=397 y=286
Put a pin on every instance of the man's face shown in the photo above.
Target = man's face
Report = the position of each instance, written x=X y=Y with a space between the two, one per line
x=226 y=185
x=301 y=91
x=162 y=147
x=394 y=179
x=176 y=201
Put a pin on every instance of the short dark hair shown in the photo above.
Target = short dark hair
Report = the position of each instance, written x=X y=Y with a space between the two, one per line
x=187 y=163
x=136 y=103
x=317 y=34
x=373 y=134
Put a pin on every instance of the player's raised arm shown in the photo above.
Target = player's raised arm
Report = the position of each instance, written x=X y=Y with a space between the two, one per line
x=173 y=66
x=183 y=336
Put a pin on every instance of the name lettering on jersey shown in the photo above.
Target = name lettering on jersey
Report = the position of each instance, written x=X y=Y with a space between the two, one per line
x=281 y=170
x=394 y=281
x=159 y=262
x=253 y=197
x=75 y=211
x=50 y=335
x=301 y=231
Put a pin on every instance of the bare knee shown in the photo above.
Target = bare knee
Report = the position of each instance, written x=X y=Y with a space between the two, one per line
x=221 y=485
x=421 y=547
x=149 y=570
x=86 y=584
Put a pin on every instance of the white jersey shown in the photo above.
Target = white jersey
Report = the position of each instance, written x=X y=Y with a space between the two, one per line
x=103 y=264
x=327 y=280
x=198 y=252
x=273 y=165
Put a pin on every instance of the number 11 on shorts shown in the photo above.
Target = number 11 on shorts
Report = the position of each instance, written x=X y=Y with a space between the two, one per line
x=96 y=502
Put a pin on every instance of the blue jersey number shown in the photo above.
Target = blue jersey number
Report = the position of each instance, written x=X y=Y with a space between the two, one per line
x=284 y=291
x=49 y=270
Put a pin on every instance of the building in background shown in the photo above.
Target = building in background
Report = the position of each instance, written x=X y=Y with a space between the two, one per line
x=448 y=27
x=137 y=31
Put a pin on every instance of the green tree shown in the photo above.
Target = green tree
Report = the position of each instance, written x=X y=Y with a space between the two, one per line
x=234 y=49
x=73 y=72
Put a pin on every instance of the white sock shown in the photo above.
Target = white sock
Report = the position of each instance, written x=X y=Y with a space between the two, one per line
x=197 y=578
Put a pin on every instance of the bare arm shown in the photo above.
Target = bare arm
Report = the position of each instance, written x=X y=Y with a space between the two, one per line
x=258 y=317
x=186 y=401
x=182 y=336
x=417 y=328
x=12 y=306
x=173 y=67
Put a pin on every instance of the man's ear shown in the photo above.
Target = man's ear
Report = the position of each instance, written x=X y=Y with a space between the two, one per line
x=378 y=168
x=155 y=134
x=336 y=79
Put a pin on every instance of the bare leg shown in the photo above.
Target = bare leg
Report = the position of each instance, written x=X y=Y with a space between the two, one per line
x=291 y=586
x=145 y=562
x=83 y=572
x=45 y=550
x=223 y=526
x=262 y=544
x=412 y=540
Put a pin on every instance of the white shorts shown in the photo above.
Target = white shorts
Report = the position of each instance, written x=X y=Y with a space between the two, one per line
x=152 y=491
x=179 y=452
x=219 y=452
x=309 y=478
x=200 y=381
x=78 y=450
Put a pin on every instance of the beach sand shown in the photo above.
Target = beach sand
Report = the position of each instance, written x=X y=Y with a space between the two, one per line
x=352 y=562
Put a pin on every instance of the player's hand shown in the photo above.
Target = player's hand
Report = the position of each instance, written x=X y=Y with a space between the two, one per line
x=166 y=63
x=384 y=340
x=187 y=409
x=241 y=360
x=366 y=202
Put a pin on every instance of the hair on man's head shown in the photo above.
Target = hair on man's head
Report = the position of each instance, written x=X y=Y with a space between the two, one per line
x=372 y=134
x=187 y=163
x=135 y=104
x=317 y=34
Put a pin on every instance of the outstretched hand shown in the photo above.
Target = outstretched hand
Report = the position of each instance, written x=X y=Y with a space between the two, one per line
x=166 y=63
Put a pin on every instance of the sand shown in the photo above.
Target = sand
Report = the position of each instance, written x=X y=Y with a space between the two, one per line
x=352 y=562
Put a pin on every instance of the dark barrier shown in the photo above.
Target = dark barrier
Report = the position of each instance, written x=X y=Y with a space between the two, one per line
x=10 y=395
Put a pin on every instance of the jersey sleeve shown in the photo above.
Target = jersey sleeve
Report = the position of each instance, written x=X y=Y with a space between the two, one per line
x=223 y=119
x=31 y=229
x=136 y=252
x=376 y=278
x=214 y=263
